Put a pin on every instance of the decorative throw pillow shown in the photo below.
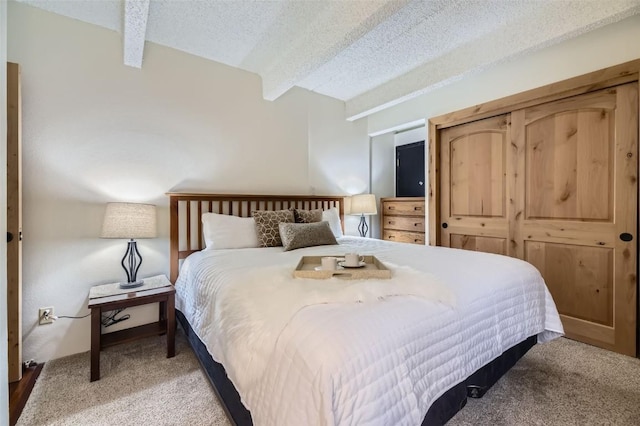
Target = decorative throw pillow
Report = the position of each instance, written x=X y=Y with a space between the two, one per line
x=333 y=217
x=298 y=235
x=307 y=216
x=267 y=226
x=223 y=231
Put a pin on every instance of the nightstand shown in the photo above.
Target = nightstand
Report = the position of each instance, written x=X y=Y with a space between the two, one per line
x=108 y=297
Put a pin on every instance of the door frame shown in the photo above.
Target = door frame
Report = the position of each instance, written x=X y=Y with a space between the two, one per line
x=627 y=72
x=14 y=221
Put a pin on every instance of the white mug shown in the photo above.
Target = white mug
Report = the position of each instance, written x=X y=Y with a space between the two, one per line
x=329 y=263
x=353 y=259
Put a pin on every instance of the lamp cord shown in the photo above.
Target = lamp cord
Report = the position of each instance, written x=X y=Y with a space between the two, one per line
x=110 y=318
x=64 y=316
x=107 y=319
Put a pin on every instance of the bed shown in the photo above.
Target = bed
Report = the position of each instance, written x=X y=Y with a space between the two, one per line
x=391 y=353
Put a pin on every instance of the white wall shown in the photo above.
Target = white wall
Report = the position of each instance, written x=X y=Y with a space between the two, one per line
x=4 y=373
x=607 y=46
x=338 y=153
x=405 y=137
x=96 y=131
x=383 y=171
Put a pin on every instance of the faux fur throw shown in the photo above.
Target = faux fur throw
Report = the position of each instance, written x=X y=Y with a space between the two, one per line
x=257 y=306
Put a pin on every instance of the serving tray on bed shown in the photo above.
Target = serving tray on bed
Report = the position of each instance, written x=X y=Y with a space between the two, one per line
x=308 y=267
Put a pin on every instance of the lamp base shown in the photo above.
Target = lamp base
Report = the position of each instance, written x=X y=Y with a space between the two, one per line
x=363 y=228
x=132 y=285
x=133 y=265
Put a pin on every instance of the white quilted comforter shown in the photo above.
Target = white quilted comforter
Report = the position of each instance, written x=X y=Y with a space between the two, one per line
x=362 y=356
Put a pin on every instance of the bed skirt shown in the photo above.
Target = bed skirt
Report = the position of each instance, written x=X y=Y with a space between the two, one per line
x=441 y=411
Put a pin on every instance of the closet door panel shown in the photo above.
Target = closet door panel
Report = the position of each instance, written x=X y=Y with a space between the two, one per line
x=474 y=186
x=477 y=174
x=580 y=199
x=569 y=159
x=477 y=243
x=579 y=277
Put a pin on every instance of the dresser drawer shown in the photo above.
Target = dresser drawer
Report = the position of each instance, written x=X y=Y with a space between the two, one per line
x=403 y=237
x=405 y=208
x=403 y=223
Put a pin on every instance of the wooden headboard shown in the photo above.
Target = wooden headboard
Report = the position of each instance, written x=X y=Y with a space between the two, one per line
x=185 y=211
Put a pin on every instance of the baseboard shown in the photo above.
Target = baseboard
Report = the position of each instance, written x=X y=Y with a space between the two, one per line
x=19 y=391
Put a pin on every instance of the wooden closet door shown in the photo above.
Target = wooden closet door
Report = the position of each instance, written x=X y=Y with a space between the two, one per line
x=576 y=209
x=473 y=186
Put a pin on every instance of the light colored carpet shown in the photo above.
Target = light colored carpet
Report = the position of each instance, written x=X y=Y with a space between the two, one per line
x=559 y=383
x=139 y=385
x=562 y=382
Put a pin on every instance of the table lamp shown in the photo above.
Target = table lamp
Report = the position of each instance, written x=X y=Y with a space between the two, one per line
x=363 y=204
x=130 y=220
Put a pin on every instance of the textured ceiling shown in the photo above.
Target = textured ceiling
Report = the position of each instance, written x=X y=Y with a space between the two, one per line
x=370 y=53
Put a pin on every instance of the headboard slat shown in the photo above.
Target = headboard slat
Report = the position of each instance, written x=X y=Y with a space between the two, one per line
x=188 y=225
x=199 y=224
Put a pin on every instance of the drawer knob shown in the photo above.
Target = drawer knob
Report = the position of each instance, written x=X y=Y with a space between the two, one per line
x=445 y=225
x=417 y=208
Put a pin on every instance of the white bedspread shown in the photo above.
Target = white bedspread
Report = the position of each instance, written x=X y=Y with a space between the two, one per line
x=377 y=353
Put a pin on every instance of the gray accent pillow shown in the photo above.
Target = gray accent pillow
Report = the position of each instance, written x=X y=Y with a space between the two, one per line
x=307 y=216
x=267 y=226
x=298 y=235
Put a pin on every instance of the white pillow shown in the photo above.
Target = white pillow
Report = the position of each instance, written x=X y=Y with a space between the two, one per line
x=333 y=217
x=223 y=231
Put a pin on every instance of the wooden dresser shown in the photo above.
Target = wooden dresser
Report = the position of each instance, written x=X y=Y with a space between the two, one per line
x=402 y=219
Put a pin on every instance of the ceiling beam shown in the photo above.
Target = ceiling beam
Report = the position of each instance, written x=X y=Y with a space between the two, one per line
x=136 y=13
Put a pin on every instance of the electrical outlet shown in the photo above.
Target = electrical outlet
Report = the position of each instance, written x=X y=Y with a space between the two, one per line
x=45 y=315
